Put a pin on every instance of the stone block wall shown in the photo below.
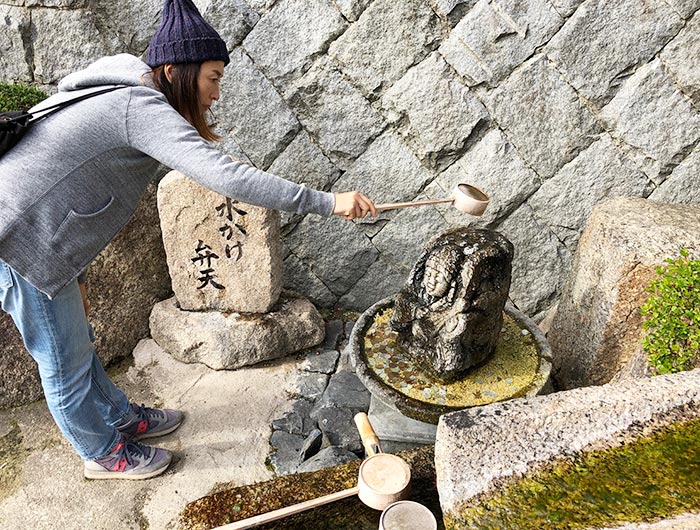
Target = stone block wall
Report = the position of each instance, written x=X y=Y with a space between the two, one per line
x=551 y=106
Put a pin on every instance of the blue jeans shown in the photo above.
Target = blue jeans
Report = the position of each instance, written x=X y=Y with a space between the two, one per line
x=82 y=399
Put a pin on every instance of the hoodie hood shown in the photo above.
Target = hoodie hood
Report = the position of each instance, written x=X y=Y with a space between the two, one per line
x=122 y=69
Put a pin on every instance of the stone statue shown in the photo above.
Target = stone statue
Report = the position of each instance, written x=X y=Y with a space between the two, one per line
x=449 y=313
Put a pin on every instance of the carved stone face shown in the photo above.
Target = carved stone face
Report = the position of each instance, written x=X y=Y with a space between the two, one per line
x=448 y=315
x=435 y=280
x=440 y=270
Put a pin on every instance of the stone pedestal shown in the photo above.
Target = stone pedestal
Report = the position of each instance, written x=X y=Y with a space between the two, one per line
x=234 y=340
x=392 y=426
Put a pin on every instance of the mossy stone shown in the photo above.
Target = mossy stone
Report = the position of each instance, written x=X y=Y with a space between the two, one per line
x=231 y=505
x=652 y=478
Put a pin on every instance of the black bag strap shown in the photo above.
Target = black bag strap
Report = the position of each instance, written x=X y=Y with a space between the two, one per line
x=48 y=111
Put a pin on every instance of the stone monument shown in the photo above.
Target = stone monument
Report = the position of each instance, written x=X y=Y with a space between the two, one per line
x=449 y=314
x=225 y=261
x=449 y=340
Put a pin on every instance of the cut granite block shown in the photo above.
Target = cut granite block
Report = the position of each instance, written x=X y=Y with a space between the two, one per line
x=542 y=116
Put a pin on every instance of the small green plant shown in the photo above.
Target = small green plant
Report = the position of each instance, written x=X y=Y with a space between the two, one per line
x=19 y=97
x=673 y=316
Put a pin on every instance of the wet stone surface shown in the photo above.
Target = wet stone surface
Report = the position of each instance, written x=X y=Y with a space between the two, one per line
x=319 y=430
x=512 y=370
x=287 y=448
x=296 y=421
x=344 y=391
x=310 y=386
x=330 y=456
x=238 y=503
x=311 y=446
x=323 y=362
x=448 y=315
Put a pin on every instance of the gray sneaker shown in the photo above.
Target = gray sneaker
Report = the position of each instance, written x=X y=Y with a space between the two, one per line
x=145 y=422
x=129 y=460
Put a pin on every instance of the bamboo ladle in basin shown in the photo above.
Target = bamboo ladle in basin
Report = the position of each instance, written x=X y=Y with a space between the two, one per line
x=465 y=197
x=383 y=480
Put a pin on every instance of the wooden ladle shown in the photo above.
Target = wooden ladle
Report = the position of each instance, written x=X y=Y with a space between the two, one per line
x=465 y=197
x=382 y=480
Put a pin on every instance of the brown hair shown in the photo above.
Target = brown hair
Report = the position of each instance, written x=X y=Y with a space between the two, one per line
x=182 y=95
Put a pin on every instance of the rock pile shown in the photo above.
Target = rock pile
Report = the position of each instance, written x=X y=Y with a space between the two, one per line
x=319 y=430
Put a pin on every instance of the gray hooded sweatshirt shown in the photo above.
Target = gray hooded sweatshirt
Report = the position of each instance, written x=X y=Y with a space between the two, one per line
x=75 y=179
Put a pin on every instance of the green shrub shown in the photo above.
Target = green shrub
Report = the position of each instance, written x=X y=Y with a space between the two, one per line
x=673 y=316
x=19 y=97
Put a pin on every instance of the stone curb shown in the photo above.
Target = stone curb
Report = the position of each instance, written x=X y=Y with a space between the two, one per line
x=477 y=447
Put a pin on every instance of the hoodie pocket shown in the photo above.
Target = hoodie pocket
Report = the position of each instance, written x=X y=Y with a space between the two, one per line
x=82 y=234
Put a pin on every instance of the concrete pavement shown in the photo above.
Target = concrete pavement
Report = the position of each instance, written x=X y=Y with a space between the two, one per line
x=223 y=440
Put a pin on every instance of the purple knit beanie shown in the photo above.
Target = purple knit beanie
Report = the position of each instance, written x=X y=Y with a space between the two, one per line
x=185 y=37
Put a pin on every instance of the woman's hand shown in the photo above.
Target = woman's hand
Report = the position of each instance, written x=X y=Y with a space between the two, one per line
x=353 y=204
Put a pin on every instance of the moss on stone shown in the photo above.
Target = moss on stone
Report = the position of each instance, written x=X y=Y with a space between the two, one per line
x=644 y=480
x=12 y=457
x=511 y=372
x=349 y=514
x=337 y=313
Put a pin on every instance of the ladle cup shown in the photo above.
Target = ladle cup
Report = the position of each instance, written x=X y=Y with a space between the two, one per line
x=383 y=479
x=407 y=515
x=465 y=197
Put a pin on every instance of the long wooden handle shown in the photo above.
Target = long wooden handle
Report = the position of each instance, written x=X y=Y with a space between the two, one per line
x=252 y=522
x=369 y=438
x=397 y=205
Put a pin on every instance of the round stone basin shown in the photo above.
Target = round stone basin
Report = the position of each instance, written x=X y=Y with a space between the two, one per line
x=520 y=367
